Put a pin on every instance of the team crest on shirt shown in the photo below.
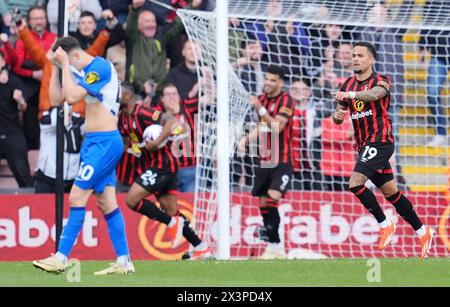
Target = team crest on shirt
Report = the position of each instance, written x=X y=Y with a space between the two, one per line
x=272 y=108
x=287 y=111
x=155 y=116
x=134 y=138
x=384 y=84
x=91 y=77
x=359 y=105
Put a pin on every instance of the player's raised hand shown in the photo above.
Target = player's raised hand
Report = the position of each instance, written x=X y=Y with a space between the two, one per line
x=340 y=96
x=254 y=101
x=51 y=56
x=61 y=57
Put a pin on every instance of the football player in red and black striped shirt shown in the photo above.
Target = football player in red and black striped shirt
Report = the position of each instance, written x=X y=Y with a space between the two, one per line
x=273 y=177
x=185 y=112
x=130 y=166
x=160 y=176
x=367 y=96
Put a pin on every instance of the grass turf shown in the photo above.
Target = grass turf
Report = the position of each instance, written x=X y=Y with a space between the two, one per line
x=252 y=273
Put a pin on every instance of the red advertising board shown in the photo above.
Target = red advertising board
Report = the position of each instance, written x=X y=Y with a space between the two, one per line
x=315 y=224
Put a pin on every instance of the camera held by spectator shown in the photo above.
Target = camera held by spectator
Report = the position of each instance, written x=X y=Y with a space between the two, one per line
x=16 y=17
x=150 y=88
x=111 y=21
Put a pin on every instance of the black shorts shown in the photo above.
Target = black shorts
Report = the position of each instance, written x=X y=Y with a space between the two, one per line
x=373 y=162
x=277 y=178
x=158 y=182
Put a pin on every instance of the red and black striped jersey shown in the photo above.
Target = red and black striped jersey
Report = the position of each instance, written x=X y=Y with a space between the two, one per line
x=130 y=166
x=140 y=118
x=370 y=119
x=189 y=109
x=300 y=157
x=280 y=150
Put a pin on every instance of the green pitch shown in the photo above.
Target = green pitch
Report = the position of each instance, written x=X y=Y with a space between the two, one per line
x=341 y=272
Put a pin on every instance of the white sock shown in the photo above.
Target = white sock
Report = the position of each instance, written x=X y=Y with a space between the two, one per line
x=123 y=260
x=421 y=231
x=384 y=224
x=61 y=257
x=172 y=223
x=200 y=247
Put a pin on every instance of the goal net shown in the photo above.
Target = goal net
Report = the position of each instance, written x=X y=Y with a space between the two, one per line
x=312 y=41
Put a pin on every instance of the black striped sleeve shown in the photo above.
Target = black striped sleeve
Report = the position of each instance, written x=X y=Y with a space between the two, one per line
x=286 y=108
x=384 y=83
x=150 y=116
x=191 y=105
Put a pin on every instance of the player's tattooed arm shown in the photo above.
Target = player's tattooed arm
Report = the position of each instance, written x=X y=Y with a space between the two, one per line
x=373 y=94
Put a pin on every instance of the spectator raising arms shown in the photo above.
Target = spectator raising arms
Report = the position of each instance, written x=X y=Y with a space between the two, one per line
x=146 y=48
x=30 y=73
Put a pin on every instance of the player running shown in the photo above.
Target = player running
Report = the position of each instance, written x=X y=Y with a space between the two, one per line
x=160 y=178
x=367 y=95
x=94 y=79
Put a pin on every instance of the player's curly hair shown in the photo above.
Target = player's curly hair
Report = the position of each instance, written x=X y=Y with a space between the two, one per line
x=67 y=43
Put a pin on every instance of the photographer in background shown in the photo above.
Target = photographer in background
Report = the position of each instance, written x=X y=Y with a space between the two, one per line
x=13 y=145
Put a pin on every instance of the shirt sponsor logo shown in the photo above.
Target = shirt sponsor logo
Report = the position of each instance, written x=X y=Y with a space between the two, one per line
x=359 y=115
x=359 y=105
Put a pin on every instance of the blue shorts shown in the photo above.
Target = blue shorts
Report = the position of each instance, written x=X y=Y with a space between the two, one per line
x=100 y=154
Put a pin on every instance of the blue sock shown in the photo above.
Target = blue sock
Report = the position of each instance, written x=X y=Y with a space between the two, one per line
x=71 y=230
x=116 y=228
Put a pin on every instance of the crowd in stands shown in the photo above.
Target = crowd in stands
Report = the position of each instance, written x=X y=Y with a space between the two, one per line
x=156 y=62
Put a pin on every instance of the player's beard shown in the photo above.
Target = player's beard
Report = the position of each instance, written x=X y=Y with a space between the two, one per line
x=357 y=71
